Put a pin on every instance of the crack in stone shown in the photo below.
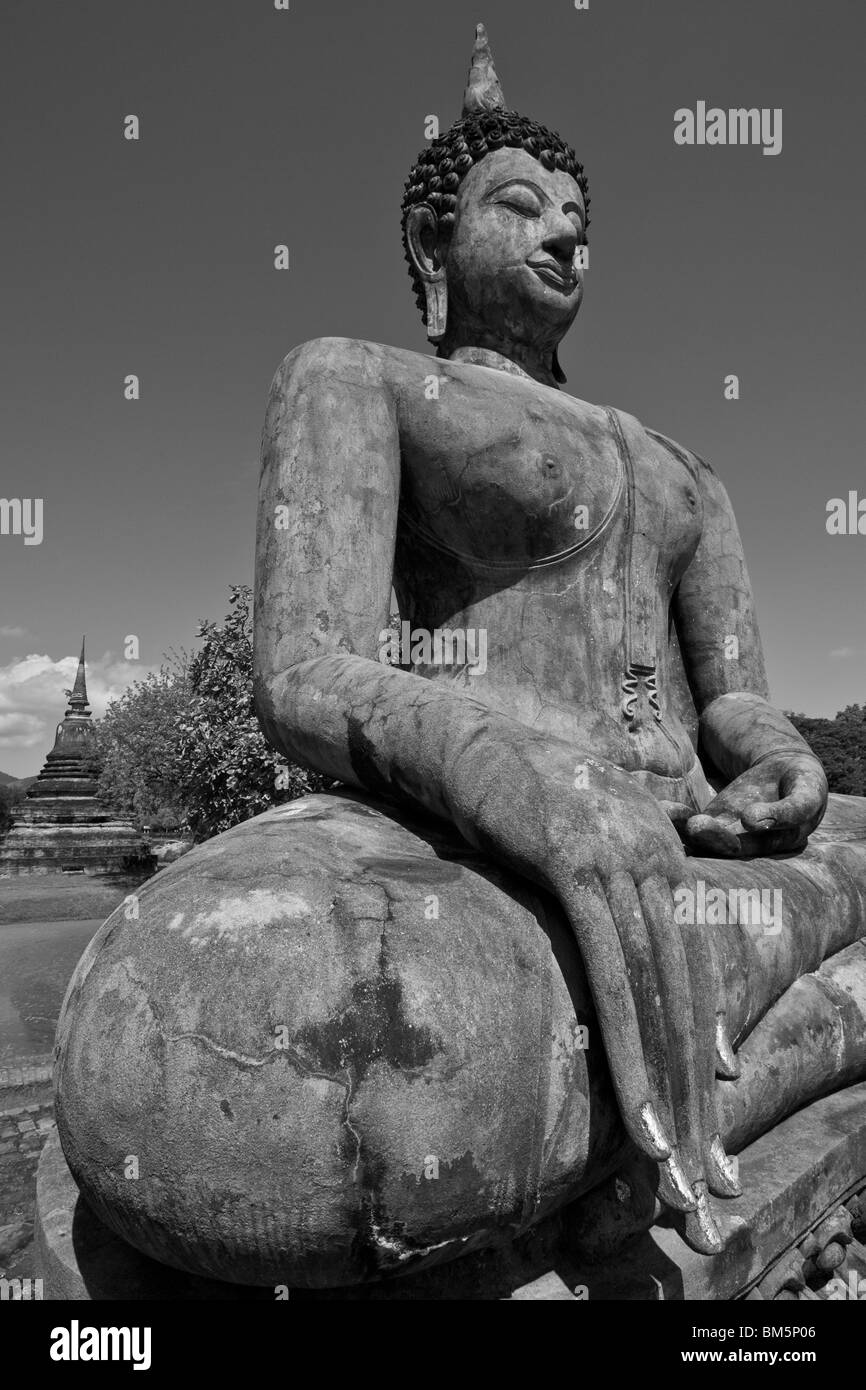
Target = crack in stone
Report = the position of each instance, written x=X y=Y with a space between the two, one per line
x=294 y=1058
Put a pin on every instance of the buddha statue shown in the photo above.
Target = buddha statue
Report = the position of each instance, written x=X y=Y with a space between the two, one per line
x=389 y=1024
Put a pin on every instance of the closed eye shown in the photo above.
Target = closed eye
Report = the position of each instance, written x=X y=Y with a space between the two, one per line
x=523 y=198
x=523 y=206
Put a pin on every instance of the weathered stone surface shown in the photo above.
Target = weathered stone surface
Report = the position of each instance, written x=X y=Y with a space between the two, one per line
x=287 y=1003
x=335 y=1083
x=792 y=1178
x=622 y=690
x=614 y=749
x=812 y=1040
x=80 y=1260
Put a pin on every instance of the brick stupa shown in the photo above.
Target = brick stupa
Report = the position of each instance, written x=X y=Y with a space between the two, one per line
x=60 y=826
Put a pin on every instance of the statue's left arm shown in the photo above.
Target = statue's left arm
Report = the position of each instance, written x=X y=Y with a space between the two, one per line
x=776 y=790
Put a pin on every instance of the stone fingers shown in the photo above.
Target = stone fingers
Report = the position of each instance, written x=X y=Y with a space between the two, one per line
x=606 y=969
x=727 y=1063
x=691 y=1062
x=678 y=813
x=760 y=843
x=676 y=1009
x=709 y=1019
x=640 y=964
x=722 y=836
x=713 y=835
x=802 y=797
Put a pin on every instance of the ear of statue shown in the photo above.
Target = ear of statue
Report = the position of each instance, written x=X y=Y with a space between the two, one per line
x=422 y=241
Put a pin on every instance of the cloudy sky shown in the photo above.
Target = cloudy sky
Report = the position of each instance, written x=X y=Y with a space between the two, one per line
x=259 y=127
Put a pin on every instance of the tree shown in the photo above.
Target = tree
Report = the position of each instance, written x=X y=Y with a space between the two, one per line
x=11 y=794
x=185 y=744
x=840 y=743
x=139 y=744
x=230 y=770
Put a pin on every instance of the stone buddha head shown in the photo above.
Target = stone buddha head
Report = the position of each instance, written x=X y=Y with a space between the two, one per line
x=494 y=212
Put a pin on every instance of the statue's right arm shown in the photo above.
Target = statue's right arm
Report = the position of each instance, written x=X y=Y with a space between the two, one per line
x=327 y=522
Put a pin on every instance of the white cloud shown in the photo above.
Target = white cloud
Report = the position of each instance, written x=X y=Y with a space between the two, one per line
x=32 y=701
x=839 y=653
x=13 y=632
x=20 y=730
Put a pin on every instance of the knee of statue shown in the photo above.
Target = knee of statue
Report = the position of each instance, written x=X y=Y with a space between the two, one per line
x=331 y=1042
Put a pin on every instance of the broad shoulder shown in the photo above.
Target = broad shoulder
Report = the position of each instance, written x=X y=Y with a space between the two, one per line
x=353 y=361
x=697 y=466
x=716 y=502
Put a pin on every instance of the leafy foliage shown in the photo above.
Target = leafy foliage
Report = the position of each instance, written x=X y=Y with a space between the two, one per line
x=185 y=746
x=10 y=795
x=231 y=771
x=840 y=743
x=139 y=744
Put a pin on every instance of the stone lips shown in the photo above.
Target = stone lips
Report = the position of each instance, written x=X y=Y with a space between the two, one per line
x=287 y=1045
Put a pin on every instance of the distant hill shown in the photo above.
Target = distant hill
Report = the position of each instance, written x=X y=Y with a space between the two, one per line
x=6 y=780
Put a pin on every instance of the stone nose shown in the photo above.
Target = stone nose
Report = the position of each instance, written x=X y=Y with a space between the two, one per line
x=561 y=239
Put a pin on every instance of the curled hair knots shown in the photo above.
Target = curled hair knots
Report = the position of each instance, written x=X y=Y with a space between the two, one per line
x=442 y=165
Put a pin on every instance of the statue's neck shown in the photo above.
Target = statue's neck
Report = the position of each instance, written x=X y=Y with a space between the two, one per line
x=518 y=358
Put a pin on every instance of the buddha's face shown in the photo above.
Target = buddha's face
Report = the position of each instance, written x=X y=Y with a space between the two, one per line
x=510 y=263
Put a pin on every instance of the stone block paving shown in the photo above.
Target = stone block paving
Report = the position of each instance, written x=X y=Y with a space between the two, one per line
x=25 y=1130
x=25 y=1075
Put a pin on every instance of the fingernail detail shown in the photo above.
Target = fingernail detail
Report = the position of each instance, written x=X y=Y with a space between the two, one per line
x=653 y=1132
x=722 y=1177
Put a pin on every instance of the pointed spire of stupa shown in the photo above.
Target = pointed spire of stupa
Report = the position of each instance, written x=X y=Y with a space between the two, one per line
x=483 y=92
x=78 y=694
x=61 y=826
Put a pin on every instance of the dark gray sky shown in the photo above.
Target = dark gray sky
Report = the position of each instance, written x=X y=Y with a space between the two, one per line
x=260 y=127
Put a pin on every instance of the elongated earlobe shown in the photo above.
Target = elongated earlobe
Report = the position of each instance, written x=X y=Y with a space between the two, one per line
x=436 y=296
x=421 y=232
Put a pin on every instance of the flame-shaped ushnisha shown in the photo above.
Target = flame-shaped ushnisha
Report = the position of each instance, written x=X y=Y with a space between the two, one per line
x=483 y=90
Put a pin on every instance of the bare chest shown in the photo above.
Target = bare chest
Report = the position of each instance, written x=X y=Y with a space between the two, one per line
x=504 y=474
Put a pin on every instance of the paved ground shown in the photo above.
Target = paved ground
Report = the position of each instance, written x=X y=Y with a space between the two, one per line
x=36 y=961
